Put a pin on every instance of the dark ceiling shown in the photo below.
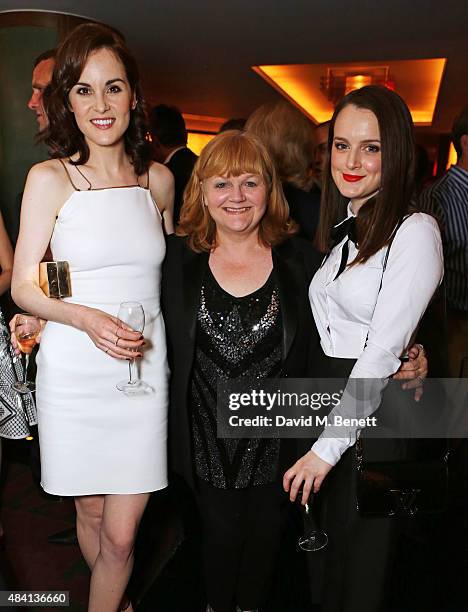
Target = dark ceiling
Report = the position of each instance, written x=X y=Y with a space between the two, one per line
x=197 y=54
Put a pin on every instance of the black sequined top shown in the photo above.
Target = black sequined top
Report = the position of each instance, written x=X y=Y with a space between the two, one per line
x=237 y=338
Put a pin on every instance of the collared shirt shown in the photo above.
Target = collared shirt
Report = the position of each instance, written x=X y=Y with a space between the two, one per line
x=358 y=319
x=447 y=200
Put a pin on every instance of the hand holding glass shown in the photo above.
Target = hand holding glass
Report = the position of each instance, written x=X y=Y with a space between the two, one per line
x=133 y=315
x=27 y=329
x=313 y=538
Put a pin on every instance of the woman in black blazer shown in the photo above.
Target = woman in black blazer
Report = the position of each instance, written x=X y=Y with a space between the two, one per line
x=294 y=263
x=235 y=258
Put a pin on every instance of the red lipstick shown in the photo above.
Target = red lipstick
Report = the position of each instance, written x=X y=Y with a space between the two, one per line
x=352 y=178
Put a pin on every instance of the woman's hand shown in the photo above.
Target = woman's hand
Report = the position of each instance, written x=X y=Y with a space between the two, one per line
x=310 y=470
x=414 y=370
x=14 y=342
x=111 y=335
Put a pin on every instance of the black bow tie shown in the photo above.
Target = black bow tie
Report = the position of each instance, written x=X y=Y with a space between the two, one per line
x=347 y=228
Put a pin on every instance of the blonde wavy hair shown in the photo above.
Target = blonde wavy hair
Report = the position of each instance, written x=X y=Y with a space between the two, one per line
x=233 y=153
x=288 y=135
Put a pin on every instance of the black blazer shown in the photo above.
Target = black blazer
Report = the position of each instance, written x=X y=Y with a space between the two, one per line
x=294 y=263
x=181 y=165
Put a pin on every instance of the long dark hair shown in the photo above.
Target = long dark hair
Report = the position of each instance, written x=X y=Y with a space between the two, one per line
x=62 y=135
x=378 y=217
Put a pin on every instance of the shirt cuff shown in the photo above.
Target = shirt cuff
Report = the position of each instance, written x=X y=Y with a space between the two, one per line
x=375 y=362
x=331 y=449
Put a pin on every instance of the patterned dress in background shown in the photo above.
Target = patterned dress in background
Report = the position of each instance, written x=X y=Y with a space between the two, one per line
x=17 y=412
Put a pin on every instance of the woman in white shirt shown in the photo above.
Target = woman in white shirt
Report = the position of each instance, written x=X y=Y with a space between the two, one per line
x=367 y=300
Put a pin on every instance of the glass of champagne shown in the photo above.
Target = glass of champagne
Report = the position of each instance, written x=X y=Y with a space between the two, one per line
x=27 y=329
x=133 y=315
x=313 y=537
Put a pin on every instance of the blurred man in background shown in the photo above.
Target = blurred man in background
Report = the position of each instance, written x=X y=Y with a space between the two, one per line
x=41 y=77
x=320 y=154
x=447 y=200
x=169 y=136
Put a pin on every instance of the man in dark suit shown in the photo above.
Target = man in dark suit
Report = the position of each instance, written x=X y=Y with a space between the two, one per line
x=169 y=136
x=42 y=73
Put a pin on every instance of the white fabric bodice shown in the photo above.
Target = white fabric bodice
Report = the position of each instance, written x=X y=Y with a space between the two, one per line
x=108 y=238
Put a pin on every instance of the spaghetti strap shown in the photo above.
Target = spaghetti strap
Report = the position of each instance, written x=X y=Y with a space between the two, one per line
x=79 y=171
x=68 y=175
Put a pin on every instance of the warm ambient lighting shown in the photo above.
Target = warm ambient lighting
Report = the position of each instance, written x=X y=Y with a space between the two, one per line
x=357 y=81
x=197 y=141
x=201 y=129
x=452 y=156
x=203 y=123
x=341 y=80
x=417 y=81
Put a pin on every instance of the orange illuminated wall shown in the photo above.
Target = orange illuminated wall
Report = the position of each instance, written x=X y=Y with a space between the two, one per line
x=452 y=156
x=197 y=141
x=201 y=129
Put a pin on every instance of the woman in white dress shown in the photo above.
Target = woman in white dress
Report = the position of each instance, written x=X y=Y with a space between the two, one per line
x=383 y=266
x=102 y=205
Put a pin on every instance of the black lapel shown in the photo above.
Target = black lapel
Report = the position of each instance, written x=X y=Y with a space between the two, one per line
x=286 y=264
x=194 y=269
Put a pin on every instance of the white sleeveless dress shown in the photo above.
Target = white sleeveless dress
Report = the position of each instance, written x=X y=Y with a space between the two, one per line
x=93 y=438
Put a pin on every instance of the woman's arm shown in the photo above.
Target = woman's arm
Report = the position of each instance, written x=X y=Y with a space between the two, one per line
x=161 y=184
x=46 y=190
x=6 y=259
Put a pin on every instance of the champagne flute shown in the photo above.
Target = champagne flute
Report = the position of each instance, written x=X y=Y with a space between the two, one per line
x=27 y=329
x=133 y=315
x=313 y=537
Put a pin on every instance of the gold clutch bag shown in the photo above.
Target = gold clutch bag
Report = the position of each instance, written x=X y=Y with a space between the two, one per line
x=54 y=279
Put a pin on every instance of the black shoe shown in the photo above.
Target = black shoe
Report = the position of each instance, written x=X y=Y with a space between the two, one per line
x=67 y=537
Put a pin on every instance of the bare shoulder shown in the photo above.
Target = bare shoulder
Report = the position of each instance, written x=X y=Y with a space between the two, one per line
x=161 y=184
x=160 y=175
x=49 y=170
x=49 y=174
x=50 y=178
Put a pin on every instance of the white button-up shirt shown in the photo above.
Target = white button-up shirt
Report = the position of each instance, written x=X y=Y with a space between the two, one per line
x=351 y=309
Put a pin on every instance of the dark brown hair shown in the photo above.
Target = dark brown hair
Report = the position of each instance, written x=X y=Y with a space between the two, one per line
x=233 y=153
x=379 y=216
x=167 y=125
x=63 y=136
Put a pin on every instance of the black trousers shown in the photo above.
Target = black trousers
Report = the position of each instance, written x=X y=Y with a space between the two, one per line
x=241 y=532
x=353 y=573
